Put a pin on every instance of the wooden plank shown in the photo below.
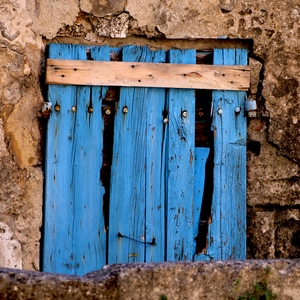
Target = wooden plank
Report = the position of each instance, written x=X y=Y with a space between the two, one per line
x=135 y=167
x=59 y=204
x=147 y=75
x=155 y=168
x=180 y=166
x=74 y=238
x=201 y=155
x=89 y=237
x=227 y=232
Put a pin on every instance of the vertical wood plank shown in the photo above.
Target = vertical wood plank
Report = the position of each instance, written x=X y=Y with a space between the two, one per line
x=201 y=155
x=75 y=241
x=155 y=169
x=180 y=166
x=136 y=164
x=89 y=237
x=227 y=232
x=59 y=204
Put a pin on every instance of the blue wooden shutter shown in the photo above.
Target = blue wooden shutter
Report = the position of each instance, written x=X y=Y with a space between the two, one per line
x=157 y=176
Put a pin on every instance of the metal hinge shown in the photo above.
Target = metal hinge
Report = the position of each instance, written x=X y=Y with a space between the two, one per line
x=46 y=110
x=250 y=108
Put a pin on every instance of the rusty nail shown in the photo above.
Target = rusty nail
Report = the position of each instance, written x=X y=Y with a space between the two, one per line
x=57 y=107
x=133 y=255
x=73 y=109
x=166 y=120
x=237 y=110
x=220 y=111
x=107 y=111
x=125 y=109
x=90 y=110
x=185 y=113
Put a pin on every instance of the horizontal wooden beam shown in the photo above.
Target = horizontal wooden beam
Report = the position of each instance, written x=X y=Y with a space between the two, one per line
x=165 y=75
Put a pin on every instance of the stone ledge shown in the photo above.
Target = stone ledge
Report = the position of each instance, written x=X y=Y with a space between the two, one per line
x=181 y=280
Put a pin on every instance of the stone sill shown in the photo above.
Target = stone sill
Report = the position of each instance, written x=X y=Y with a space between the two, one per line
x=178 y=280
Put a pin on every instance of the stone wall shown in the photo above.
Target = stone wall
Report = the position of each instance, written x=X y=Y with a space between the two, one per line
x=270 y=30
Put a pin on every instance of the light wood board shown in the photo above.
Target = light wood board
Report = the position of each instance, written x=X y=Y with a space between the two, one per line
x=164 y=75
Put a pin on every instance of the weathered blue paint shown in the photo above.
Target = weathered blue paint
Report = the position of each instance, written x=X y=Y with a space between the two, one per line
x=157 y=176
x=74 y=237
x=180 y=165
x=227 y=232
x=201 y=155
x=136 y=194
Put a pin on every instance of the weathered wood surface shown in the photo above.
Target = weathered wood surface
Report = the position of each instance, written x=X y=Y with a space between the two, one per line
x=227 y=232
x=157 y=174
x=168 y=75
x=74 y=235
x=137 y=174
x=201 y=155
x=180 y=165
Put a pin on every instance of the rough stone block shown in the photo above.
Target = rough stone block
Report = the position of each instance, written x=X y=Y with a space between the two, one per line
x=261 y=235
x=182 y=280
x=288 y=233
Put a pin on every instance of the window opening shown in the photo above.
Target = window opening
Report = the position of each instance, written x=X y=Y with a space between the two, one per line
x=205 y=137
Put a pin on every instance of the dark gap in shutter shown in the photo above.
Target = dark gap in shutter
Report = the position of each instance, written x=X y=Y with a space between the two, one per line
x=108 y=112
x=204 y=138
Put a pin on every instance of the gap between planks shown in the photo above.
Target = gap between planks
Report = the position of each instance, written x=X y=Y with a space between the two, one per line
x=164 y=75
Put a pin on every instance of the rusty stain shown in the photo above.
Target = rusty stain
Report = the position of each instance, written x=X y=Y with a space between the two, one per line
x=191 y=158
x=209 y=219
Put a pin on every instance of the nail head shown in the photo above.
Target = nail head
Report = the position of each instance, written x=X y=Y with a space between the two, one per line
x=185 y=113
x=237 y=109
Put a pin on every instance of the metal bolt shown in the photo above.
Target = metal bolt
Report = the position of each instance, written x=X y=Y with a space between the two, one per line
x=237 y=110
x=185 y=113
x=90 y=110
x=57 y=107
x=220 y=111
x=125 y=109
x=73 y=109
x=166 y=120
x=107 y=111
